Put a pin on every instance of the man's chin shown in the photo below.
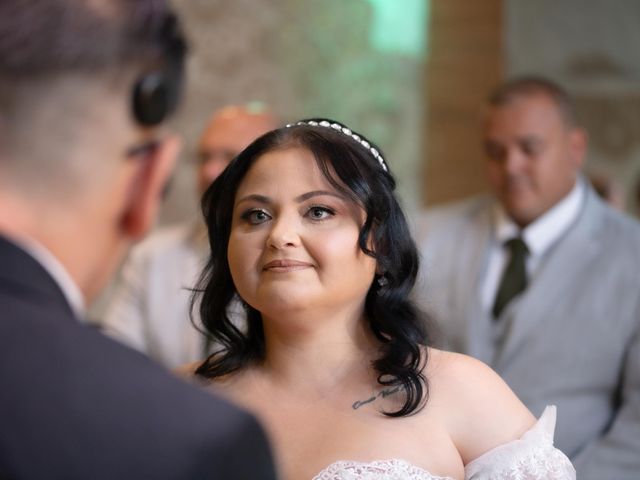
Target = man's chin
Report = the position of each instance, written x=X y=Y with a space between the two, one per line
x=521 y=216
x=520 y=210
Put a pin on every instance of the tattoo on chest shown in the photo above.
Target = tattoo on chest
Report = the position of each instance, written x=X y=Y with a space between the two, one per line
x=382 y=394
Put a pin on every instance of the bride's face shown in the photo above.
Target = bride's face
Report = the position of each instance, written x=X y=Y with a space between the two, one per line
x=294 y=239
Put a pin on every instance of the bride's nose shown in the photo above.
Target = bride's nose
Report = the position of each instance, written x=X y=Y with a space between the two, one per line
x=284 y=232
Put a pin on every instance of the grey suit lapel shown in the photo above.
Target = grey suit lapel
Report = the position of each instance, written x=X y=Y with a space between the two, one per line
x=473 y=262
x=562 y=266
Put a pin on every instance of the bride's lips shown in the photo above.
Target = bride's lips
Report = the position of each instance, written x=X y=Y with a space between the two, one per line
x=283 y=266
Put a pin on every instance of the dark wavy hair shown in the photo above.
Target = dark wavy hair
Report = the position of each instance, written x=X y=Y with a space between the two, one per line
x=394 y=320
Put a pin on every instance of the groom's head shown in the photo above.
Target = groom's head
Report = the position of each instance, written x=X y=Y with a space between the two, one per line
x=84 y=88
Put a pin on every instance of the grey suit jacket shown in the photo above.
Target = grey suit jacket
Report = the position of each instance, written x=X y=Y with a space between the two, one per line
x=571 y=339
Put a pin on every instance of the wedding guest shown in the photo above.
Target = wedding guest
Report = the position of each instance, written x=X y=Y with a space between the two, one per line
x=608 y=189
x=149 y=309
x=84 y=88
x=306 y=231
x=540 y=279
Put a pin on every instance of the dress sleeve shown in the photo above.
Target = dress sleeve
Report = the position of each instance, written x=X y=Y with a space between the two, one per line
x=531 y=457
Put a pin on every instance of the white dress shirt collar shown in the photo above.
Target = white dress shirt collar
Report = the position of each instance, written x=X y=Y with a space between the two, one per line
x=58 y=272
x=548 y=228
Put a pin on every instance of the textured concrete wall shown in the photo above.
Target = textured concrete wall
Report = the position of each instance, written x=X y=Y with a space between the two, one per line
x=303 y=59
x=231 y=61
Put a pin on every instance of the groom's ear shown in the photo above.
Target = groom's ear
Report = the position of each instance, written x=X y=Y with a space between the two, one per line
x=147 y=187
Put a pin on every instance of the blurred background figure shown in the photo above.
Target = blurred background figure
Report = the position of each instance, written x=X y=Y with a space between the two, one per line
x=541 y=279
x=608 y=189
x=636 y=196
x=149 y=310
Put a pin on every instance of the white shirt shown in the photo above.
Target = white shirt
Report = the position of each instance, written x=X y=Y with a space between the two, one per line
x=149 y=310
x=539 y=236
x=58 y=272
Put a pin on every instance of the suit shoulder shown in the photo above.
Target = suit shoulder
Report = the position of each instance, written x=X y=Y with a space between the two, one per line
x=163 y=239
x=119 y=398
x=621 y=223
x=621 y=232
x=449 y=217
x=166 y=237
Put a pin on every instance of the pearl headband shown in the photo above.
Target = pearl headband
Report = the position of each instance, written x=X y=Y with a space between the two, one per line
x=349 y=133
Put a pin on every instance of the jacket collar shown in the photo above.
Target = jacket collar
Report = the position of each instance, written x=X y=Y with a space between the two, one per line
x=24 y=276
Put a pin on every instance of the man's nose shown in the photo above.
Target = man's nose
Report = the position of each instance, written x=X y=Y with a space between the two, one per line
x=514 y=161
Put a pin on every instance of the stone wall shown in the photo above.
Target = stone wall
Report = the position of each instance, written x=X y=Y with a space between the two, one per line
x=311 y=58
x=303 y=59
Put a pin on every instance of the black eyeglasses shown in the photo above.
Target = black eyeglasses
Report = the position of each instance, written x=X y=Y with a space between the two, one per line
x=142 y=150
x=206 y=156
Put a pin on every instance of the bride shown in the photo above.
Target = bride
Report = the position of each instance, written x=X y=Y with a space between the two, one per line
x=306 y=231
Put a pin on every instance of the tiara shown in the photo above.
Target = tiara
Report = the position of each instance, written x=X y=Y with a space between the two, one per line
x=349 y=133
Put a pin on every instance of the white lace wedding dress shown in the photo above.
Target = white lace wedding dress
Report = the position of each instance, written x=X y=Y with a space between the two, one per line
x=532 y=457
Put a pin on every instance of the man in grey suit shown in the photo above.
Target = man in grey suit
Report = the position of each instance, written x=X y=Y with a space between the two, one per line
x=541 y=280
x=84 y=88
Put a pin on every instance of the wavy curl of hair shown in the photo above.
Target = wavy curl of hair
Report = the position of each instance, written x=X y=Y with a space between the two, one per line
x=392 y=317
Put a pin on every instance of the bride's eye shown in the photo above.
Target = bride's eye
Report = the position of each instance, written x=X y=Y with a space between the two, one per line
x=255 y=216
x=320 y=213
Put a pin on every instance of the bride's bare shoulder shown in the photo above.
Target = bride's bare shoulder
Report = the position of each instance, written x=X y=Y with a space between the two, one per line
x=188 y=370
x=455 y=369
x=482 y=412
x=455 y=372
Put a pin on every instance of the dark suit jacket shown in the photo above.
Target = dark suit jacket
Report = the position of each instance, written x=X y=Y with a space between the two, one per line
x=76 y=405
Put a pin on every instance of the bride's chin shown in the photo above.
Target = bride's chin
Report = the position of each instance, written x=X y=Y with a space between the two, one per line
x=282 y=300
x=283 y=309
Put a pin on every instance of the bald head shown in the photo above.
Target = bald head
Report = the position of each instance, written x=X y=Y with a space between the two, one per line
x=229 y=131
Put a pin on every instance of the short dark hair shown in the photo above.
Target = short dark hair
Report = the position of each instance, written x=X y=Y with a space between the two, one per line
x=392 y=317
x=42 y=37
x=46 y=40
x=534 y=85
x=58 y=56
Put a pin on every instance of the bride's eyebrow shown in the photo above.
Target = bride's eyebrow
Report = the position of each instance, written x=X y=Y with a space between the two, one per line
x=254 y=197
x=317 y=193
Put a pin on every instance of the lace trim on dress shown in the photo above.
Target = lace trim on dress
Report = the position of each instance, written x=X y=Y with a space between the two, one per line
x=532 y=457
x=394 y=469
